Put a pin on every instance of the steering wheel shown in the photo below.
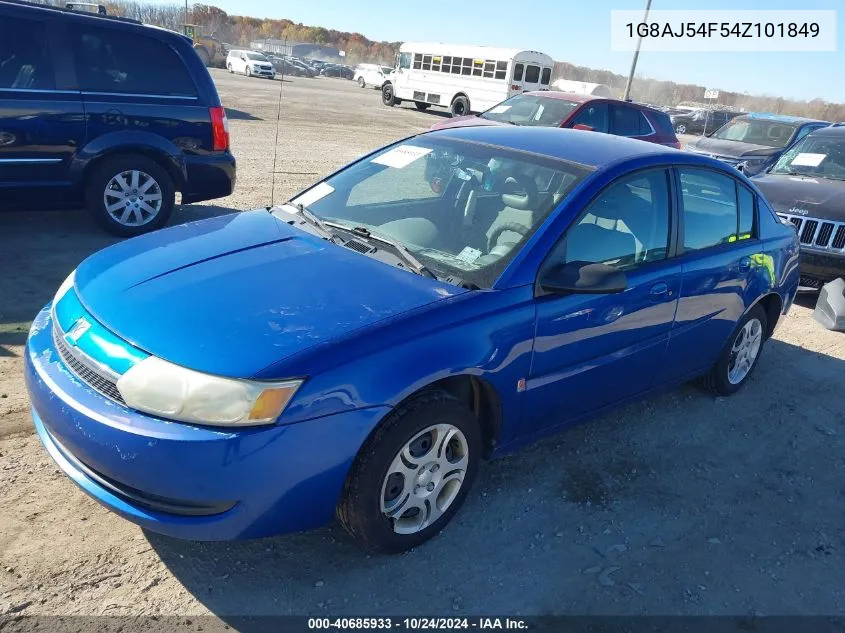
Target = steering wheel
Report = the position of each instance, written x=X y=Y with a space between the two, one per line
x=507 y=227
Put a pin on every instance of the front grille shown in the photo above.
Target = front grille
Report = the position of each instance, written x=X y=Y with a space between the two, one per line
x=816 y=234
x=810 y=282
x=86 y=371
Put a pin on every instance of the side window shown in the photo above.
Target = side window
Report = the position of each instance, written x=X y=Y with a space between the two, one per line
x=710 y=208
x=118 y=61
x=547 y=76
x=596 y=116
x=804 y=132
x=426 y=65
x=532 y=74
x=417 y=61
x=25 y=62
x=501 y=70
x=746 y=213
x=626 y=226
x=645 y=126
x=517 y=72
x=626 y=121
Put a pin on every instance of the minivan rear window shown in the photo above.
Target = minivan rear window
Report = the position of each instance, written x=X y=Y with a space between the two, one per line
x=121 y=62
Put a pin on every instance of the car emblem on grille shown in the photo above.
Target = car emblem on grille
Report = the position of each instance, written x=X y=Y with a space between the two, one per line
x=797 y=211
x=79 y=328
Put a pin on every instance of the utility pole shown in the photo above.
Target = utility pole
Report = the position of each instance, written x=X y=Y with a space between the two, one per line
x=186 y=17
x=636 y=56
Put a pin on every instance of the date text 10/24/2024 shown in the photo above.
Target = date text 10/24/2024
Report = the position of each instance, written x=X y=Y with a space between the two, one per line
x=416 y=624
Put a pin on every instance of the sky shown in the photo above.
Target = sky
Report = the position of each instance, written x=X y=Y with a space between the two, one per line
x=577 y=32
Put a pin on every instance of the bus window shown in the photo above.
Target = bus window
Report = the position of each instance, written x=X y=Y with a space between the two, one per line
x=517 y=72
x=501 y=70
x=426 y=62
x=447 y=64
x=456 y=66
x=435 y=63
x=417 y=61
x=489 y=69
x=532 y=74
x=467 y=66
x=547 y=76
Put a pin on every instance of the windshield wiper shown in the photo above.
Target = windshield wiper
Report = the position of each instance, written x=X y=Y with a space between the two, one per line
x=312 y=219
x=400 y=249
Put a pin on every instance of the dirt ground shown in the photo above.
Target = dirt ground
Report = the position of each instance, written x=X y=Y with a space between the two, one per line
x=683 y=504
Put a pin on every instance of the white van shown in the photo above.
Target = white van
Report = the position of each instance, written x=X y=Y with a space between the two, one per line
x=464 y=79
x=371 y=75
x=250 y=63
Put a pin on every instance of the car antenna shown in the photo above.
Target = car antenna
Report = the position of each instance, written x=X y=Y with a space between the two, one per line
x=278 y=125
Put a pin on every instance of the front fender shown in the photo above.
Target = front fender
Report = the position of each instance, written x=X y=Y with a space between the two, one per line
x=130 y=141
x=488 y=334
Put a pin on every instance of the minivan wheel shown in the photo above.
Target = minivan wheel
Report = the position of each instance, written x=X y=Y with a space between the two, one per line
x=130 y=195
x=740 y=354
x=413 y=474
x=460 y=106
x=248 y=71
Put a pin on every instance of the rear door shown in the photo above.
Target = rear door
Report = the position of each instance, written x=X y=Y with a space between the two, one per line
x=595 y=115
x=719 y=245
x=631 y=122
x=41 y=117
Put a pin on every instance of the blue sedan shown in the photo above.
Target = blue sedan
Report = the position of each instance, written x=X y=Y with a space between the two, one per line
x=357 y=351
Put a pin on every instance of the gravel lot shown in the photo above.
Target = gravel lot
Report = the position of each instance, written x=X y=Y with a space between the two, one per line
x=683 y=504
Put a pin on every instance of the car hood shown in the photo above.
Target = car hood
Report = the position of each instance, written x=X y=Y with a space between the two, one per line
x=464 y=121
x=235 y=294
x=734 y=149
x=804 y=195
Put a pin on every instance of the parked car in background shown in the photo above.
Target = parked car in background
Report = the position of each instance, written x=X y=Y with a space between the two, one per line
x=334 y=70
x=753 y=142
x=371 y=75
x=700 y=121
x=550 y=108
x=250 y=63
x=806 y=187
x=108 y=113
x=555 y=273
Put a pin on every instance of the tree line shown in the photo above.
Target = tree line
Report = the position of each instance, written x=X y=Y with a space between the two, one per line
x=241 y=30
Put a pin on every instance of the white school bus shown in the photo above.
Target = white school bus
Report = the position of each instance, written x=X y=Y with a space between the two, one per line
x=464 y=79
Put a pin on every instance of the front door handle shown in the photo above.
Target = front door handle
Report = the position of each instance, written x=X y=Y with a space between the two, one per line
x=744 y=264
x=660 y=290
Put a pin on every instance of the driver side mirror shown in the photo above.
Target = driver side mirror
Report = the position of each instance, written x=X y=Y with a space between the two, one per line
x=583 y=278
x=583 y=126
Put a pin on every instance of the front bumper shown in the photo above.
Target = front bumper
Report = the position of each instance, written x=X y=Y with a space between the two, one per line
x=819 y=268
x=187 y=481
x=263 y=72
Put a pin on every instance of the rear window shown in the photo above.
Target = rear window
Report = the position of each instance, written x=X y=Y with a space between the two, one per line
x=517 y=72
x=547 y=76
x=532 y=74
x=25 y=62
x=127 y=63
x=629 y=122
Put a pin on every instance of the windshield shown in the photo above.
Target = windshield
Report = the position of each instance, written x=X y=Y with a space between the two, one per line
x=257 y=57
x=527 y=109
x=756 y=132
x=386 y=70
x=820 y=156
x=462 y=209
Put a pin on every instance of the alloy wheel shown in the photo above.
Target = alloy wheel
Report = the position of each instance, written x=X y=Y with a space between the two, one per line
x=132 y=198
x=744 y=352
x=424 y=478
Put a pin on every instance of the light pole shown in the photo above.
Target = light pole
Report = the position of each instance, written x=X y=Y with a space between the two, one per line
x=186 y=17
x=636 y=55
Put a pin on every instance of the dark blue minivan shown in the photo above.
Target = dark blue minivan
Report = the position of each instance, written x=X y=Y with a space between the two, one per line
x=106 y=112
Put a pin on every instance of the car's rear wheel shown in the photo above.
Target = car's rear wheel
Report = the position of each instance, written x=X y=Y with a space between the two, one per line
x=130 y=195
x=361 y=82
x=680 y=129
x=740 y=354
x=460 y=106
x=229 y=68
x=413 y=474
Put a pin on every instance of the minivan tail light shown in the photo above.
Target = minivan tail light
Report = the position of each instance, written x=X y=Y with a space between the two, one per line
x=219 y=129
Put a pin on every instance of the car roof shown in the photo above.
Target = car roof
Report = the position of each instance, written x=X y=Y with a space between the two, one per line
x=592 y=149
x=781 y=118
x=835 y=130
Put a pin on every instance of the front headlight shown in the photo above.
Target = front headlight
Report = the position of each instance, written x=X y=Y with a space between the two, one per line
x=169 y=391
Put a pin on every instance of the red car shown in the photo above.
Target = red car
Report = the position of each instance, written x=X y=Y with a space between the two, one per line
x=549 y=108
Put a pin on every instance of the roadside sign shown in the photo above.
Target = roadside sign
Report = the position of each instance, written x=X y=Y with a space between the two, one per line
x=711 y=94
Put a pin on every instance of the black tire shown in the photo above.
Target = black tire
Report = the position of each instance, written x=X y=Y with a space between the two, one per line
x=422 y=107
x=460 y=106
x=387 y=96
x=716 y=380
x=360 y=511
x=361 y=82
x=229 y=68
x=681 y=129
x=103 y=174
x=248 y=71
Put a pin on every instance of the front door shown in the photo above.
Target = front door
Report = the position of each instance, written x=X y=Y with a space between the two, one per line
x=41 y=125
x=591 y=351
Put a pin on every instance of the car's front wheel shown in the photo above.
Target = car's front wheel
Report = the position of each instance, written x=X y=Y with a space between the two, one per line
x=387 y=96
x=248 y=71
x=680 y=129
x=130 y=195
x=361 y=82
x=740 y=354
x=413 y=474
x=229 y=67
